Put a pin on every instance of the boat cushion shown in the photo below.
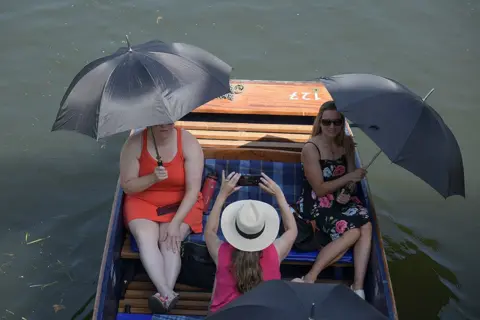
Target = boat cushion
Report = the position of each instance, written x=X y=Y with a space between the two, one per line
x=288 y=176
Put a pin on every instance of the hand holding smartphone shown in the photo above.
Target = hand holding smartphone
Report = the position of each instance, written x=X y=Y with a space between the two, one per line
x=248 y=180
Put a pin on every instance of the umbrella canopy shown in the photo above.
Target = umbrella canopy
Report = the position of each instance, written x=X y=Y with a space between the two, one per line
x=409 y=131
x=144 y=85
x=277 y=299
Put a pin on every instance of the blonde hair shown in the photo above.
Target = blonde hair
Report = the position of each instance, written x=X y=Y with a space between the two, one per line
x=246 y=269
x=317 y=124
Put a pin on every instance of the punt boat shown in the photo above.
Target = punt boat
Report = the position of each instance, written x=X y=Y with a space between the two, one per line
x=259 y=126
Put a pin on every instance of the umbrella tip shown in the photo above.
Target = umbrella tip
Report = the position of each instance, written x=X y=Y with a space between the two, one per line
x=128 y=44
x=428 y=94
x=312 y=312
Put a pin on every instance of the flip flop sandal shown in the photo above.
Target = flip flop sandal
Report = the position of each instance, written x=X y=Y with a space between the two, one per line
x=172 y=303
x=157 y=304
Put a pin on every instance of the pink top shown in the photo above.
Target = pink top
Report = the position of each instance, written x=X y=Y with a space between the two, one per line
x=225 y=285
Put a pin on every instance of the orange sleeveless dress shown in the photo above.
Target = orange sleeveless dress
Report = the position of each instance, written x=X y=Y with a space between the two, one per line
x=143 y=205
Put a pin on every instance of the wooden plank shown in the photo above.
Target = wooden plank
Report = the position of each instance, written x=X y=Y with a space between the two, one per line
x=294 y=146
x=128 y=254
x=271 y=98
x=251 y=127
x=144 y=294
x=249 y=136
x=148 y=285
x=181 y=304
x=309 y=263
x=177 y=312
x=252 y=154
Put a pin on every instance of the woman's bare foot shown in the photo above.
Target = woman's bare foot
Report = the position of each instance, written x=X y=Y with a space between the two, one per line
x=308 y=278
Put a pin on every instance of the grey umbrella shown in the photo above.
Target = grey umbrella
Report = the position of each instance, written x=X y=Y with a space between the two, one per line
x=139 y=86
x=409 y=131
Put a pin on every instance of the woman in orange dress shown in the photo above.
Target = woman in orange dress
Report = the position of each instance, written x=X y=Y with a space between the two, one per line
x=173 y=186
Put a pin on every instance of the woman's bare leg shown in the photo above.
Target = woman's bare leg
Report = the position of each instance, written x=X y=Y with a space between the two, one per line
x=172 y=261
x=146 y=235
x=330 y=252
x=361 y=255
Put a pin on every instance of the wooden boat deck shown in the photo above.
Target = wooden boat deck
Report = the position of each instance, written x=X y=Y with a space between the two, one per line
x=268 y=121
x=193 y=301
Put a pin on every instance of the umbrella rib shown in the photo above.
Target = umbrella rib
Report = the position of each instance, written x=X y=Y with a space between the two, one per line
x=151 y=77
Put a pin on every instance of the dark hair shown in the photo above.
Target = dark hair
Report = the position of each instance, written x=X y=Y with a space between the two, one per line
x=246 y=269
x=317 y=124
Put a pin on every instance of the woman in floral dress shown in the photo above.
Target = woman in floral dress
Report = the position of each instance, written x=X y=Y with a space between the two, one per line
x=328 y=161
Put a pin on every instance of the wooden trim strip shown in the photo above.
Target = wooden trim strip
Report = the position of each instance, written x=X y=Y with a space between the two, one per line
x=249 y=136
x=259 y=109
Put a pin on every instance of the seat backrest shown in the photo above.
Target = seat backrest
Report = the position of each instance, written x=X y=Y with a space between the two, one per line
x=287 y=175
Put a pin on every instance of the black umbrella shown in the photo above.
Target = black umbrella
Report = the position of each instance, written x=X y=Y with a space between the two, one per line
x=277 y=299
x=409 y=131
x=140 y=86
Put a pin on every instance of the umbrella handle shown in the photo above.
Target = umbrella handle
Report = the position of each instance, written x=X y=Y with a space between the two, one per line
x=159 y=160
x=373 y=159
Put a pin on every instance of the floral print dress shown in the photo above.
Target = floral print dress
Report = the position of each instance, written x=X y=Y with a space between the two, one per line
x=331 y=217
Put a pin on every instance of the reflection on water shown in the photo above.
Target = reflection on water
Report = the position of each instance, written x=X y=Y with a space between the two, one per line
x=85 y=312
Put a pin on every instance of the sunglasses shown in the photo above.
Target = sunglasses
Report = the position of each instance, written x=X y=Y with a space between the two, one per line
x=328 y=122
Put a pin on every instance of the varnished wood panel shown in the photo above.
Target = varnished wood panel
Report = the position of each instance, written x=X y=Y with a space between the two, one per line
x=247 y=127
x=249 y=136
x=293 y=146
x=271 y=98
x=252 y=154
x=176 y=312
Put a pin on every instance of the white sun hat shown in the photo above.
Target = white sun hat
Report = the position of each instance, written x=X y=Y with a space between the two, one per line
x=250 y=225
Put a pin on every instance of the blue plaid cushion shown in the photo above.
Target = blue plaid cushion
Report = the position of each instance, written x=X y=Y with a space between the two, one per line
x=288 y=176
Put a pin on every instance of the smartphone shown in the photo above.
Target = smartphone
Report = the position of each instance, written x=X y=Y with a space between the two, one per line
x=249 y=180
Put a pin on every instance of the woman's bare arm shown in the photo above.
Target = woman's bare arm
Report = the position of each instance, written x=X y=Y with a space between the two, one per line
x=314 y=174
x=211 y=228
x=129 y=166
x=285 y=242
x=349 y=146
x=194 y=159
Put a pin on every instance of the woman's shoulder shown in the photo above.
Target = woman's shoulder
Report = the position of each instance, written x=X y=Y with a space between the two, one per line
x=133 y=144
x=190 y=145
x=187 y=137
x=311 y=149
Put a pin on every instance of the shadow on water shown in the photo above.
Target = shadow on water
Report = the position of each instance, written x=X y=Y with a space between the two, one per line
x=411 y=262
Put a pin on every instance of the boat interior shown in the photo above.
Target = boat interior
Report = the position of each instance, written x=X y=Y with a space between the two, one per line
x=259 y=128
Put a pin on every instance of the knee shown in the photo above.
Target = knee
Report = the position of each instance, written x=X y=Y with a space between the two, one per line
x=354 y=233
x=145 y=240
x=366 y=229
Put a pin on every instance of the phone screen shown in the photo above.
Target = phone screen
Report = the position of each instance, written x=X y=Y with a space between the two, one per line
x=249 y=180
